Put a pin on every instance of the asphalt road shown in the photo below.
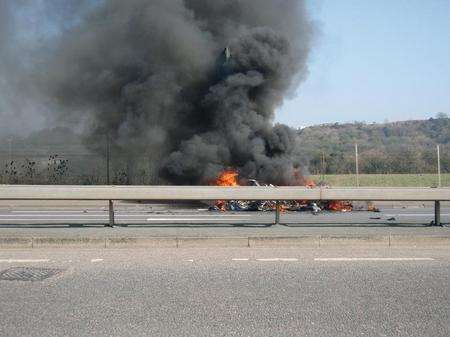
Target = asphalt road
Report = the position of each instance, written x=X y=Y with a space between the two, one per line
x=163 y=214
x=226 y=292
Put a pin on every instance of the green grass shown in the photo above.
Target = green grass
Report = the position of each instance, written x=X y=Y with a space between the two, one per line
x=384 y=180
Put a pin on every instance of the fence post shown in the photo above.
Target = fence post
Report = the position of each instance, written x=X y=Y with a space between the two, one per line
x=111 y=214
x=439 y=166
x=108 y=158
x=357 y=164
x=437 y=213
x=277 y=212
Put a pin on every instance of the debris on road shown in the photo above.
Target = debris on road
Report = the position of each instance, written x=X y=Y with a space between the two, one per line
x=230 y=178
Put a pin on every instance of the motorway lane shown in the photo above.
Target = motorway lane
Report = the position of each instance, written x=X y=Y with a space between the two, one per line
x=146 y=215
x=229 y=292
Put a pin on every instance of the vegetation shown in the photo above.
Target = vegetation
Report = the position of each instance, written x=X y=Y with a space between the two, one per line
x=400 y=147
x=383 y=180
x=390 y=154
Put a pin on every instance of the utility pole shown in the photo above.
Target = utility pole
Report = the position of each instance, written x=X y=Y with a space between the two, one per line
x=108 y=159
x=439 y=166
x=110 y=202
x=10 y=149
x=323 y=166
x=356 y=164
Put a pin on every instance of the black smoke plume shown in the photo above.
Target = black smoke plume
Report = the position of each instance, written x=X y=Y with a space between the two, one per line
x=192 y=85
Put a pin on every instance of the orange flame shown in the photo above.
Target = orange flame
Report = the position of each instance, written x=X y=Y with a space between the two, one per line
x=227 y=178
x=310 y=183
x=301 y=180
x=340 y=206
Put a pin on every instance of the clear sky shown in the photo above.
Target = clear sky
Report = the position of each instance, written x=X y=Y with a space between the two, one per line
x=375 y=60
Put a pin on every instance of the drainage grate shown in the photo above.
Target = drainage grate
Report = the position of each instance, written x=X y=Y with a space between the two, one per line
x=29 y=274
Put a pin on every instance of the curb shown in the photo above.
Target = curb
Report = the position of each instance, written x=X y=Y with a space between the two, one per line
x=12 y=242
x=420 y=240
x=211 y=242
x=159 y=242
x=306 y=241
x=354 y=240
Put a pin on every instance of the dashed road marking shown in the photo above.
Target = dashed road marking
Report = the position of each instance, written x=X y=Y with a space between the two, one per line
x=240 y=259
x=96 y=260
x=24 y=261
x=190 y=260
x=277 y=259
x=345 y=259
x=288 y=260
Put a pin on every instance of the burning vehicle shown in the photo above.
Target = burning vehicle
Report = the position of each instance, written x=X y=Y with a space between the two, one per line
x=229 y=178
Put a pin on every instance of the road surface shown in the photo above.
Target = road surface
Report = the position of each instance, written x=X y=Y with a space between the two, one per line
x=225 y=292
x=97 y=214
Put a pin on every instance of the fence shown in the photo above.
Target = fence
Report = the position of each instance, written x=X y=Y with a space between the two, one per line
x=25 y=163
x=153 y=193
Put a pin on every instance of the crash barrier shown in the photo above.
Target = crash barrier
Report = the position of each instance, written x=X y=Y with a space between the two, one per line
x=210 y=193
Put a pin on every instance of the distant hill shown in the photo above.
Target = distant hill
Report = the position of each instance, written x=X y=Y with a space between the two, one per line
x=400 y=147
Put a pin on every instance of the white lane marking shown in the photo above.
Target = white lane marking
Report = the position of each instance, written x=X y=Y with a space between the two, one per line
x=67 y=211
x=267 y=260
x=416 y=214
x=277 y=259
x=96 y=260
x=143 y=214
x=53 y=220
x=240 y=259
x=51 y=216
x=24 y=261
x=189 y=260
x=105 y=219
x=194 y=219
x=205 y=216
x=288 y=260
x=374 y=259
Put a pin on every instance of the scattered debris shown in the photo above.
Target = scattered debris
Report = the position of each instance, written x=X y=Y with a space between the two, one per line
x=230 y=178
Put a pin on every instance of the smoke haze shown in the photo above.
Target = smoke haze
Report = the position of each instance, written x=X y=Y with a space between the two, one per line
x=154 y=76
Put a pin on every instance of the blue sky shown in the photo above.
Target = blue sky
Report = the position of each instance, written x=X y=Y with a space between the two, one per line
x=375 y=61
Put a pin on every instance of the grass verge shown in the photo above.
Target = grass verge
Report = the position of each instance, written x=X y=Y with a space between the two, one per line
x=383 y=180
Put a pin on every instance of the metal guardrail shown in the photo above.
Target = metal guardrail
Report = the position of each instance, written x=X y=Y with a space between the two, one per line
x=165 y=193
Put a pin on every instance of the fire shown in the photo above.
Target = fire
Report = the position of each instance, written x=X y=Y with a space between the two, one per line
x=310 y=183
x=301 y=180
x=340 y=206
x=227 y=178
x=230 y=178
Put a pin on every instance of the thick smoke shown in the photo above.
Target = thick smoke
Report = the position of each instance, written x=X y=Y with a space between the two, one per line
x=26 y=31
x=154 y=76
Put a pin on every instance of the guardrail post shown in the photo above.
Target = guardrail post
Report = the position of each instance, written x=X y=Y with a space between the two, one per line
x=277 y=212
x=437 y=213
x=111 y=214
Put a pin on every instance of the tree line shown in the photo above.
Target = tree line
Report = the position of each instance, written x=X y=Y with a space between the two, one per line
x=400 y=147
